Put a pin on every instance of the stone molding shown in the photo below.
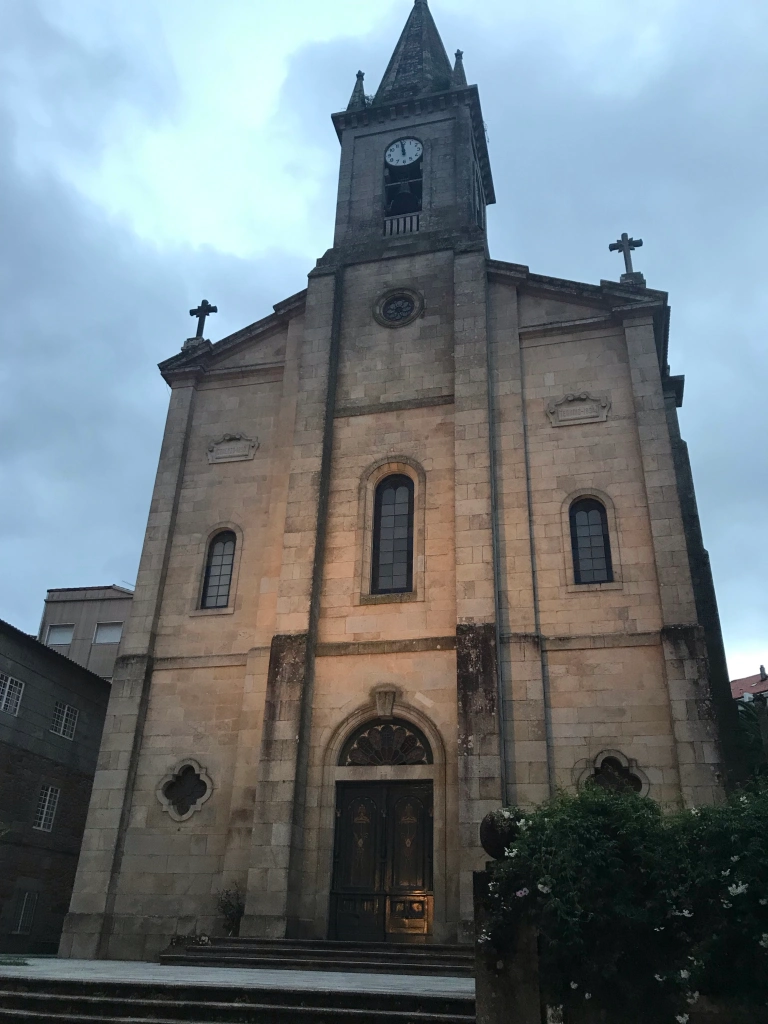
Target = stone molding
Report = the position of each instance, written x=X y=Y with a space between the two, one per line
x=578 y=407
x=167 y=805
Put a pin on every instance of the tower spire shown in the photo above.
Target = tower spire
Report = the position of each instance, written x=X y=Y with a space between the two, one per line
x=459 y=77
x=357 y=100
x=419 y=65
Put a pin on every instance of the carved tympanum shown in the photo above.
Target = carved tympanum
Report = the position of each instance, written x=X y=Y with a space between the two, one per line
x=386 y=742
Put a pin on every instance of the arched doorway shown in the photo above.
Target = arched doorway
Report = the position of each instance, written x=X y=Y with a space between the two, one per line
x=382 y=886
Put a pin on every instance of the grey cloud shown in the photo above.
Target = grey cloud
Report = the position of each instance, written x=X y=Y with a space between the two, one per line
x=88 y=311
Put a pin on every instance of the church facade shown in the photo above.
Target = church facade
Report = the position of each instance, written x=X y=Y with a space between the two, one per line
x=423 y=542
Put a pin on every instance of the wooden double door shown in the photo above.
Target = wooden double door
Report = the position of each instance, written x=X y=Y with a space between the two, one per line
x=382 y=866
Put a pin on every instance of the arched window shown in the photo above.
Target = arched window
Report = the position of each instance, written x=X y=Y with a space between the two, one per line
x=218 y=570
x=590 y=542
x=386 y=741
x=392 y=562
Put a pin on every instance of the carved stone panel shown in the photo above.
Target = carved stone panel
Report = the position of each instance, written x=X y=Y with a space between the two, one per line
x=578 y=407
x=232 y=448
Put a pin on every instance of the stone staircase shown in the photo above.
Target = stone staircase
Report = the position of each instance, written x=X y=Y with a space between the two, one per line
x=70 y=1001
x=318 y=955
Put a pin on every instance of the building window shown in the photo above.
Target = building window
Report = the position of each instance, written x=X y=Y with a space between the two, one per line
x=218 y=570
x=590 y=542
x=108 y=633
x=46 y=808
x=25 y=913
x=60 y=636
x=392 y=562
x=64 y=720
x=10 y=694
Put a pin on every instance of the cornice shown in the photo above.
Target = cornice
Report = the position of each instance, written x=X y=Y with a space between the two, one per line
x=381 y=113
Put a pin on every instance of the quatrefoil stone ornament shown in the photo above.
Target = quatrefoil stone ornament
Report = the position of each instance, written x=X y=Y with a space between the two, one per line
x=184 y=790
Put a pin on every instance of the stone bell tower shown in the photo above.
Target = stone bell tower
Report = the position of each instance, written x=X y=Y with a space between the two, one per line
x=414 y=158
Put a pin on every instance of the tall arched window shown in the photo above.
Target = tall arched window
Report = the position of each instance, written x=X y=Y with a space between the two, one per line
x=392 y=562
x=218 y=570
x=590 y=542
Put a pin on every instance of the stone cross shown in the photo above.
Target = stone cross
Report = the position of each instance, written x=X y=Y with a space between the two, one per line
x=625 y=245
x=202 y=311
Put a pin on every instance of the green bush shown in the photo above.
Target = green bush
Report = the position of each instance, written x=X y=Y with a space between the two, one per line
x=638 y=912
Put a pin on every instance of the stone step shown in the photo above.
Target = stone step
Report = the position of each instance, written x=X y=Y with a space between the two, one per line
x=304 y=963
x=72 y=1001
x=316 y=955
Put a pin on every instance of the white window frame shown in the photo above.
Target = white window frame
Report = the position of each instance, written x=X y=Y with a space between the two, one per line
x=64 y=720
x=47 y=803
x=104 y=643
x=25 y=915
x=60 y=625
x=11 y=691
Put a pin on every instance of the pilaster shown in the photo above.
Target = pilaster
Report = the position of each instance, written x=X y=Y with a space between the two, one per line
x=684 y=647
x=277 y=839
x=88 y=924
x=476 y=652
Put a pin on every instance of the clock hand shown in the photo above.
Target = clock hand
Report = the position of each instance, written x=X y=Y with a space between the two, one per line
x=402 y=146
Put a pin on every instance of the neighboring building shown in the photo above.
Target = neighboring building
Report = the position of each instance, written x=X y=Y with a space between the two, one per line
x=86 y=624
x=51 y=718
x=757 y=683
x=423 y=542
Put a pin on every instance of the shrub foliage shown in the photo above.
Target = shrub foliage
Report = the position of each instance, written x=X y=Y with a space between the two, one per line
x=638 y=912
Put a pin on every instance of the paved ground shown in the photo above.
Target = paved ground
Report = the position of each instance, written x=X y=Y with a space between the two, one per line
x=48 y=968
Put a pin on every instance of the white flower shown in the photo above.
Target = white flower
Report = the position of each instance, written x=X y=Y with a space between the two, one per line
x=574 y=985
x=764 y=940
x=695 y=811
x=726 y=872
x=658 y=977
x=685 y=975
x=762 y=902
x=743 y=799
x=687 y=913
x=659 y=929
x=543 y=888
x=682 y=1018
x=737 y=888
x=512 y=851
x=692 y=997
x=587 y=995
x=735 y=858
x=726 y=903
x=521 y=893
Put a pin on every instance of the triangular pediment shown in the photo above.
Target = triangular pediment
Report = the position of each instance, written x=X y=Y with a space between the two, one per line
x=261 y=344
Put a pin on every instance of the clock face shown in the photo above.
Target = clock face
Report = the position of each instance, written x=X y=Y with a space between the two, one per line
x=403 y=152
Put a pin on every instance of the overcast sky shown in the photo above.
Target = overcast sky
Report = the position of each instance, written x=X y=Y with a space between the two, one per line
x=153 y=152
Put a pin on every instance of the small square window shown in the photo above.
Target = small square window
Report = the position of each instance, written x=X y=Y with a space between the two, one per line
x=46 y=808
x=64 y=720
x=60 y=636
x=108 y=633
x=25 y=913
x=10 y=694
